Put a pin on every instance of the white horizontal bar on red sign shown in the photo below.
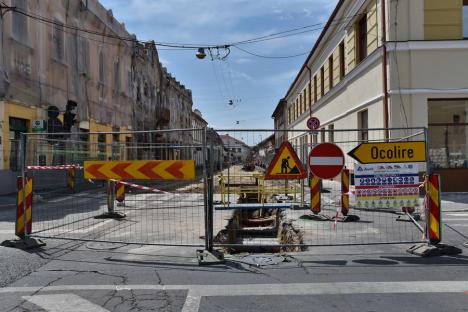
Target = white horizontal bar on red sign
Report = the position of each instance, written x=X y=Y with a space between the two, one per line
x=141 y=187
x=326 y=161
x=60 y=167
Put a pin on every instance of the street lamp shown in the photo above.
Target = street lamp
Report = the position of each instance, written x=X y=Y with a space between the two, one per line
x=201 y=53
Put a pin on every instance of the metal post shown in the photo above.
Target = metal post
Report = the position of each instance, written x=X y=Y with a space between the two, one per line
x=110 y=196
x=210 y=200
x=205 y=191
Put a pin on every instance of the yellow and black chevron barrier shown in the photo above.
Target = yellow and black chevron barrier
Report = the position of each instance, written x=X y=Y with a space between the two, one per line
x=71 y=179
x=315 y=201
x=433 y=202
x=345 y=192
x=24 y=202
x=120 y=192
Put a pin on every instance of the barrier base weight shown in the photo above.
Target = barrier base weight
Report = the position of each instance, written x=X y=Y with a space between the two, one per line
x=206 y=257
x=425 y=250
x=24 y=244
x=111 y=215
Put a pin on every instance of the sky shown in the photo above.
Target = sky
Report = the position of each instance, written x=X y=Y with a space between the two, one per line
x=253 y=84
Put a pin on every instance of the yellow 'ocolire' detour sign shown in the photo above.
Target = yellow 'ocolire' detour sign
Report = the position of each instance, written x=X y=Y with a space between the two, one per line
x=390 y=152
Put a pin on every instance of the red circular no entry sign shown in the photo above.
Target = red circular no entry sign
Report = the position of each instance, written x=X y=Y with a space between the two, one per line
x=326 y=160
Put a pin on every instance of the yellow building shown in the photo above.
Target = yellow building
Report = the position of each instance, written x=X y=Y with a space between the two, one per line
x=390 y=64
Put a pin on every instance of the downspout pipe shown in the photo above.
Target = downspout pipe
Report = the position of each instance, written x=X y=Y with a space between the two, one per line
x=384 y=69
x=310 y=89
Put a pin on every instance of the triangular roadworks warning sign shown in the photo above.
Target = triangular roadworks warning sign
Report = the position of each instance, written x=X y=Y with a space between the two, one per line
x=286 y=165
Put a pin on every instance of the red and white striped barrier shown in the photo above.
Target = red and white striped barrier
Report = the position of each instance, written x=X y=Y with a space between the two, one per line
x=60 y=167
x=140 y=187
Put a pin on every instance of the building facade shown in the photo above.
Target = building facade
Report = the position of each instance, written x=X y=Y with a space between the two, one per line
x=58 y=52
x=198 y=137
x=235 y=151
x=390 y=64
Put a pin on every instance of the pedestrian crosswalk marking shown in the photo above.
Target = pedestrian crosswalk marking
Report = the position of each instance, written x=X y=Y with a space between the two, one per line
x=64 y=302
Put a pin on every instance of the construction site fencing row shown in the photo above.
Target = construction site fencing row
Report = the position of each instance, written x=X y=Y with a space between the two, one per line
x=152 y=212
x=254 y=211
x=230 y=203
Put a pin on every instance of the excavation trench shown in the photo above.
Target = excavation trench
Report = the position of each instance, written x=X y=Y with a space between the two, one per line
x=258 y=231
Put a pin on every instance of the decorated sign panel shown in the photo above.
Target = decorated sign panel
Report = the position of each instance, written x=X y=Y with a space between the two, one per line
x=387 y=185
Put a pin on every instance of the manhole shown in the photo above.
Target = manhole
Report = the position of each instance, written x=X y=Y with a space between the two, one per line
x=262 y=260
x=103 y=246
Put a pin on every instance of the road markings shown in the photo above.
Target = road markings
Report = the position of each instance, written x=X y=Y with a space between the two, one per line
x=64 y=302
x=55 y=303
x=458 y=214
x=192 y=303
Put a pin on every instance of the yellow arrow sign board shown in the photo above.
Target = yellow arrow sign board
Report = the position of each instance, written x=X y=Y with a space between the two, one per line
x=389 y=152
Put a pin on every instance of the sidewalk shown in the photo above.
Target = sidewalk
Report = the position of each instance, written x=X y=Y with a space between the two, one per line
x=454 y=201
x=7 y=201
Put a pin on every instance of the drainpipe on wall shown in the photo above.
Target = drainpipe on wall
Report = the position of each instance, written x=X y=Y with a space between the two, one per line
x=310 y=89
x=384 y=70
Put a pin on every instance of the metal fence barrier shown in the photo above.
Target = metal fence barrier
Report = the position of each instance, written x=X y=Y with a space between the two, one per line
x=155 y=211
x=229 y=204
x=252 y=211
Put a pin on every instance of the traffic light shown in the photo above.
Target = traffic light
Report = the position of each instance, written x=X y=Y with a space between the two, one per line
x=69 y=117
x=54 y=125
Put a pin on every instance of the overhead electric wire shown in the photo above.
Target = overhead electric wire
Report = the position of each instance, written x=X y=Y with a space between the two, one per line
x=274 y=36
x=271 y=57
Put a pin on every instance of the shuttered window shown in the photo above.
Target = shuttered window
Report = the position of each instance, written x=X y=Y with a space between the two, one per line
x=19 y=21
x=362 y=38
x=58 y=41
x=83 y=56
x=102 y=66
x=117 y=76
x=342 y=60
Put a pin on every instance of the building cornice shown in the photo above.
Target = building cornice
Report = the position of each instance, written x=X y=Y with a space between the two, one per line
x=427 y=45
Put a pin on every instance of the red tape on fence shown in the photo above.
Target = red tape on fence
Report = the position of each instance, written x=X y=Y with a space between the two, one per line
x=60 y=167
x=140 y=187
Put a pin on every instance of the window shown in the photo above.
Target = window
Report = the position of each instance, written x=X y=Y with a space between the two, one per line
x=19 y=21
x=448 y=124
x=58 y=41
x=362 y=38
x=129 y=83
x=330 y=71
x=83 y=58
x=342 y=60
x=331 y=134
x=363 y=125
x=465 y=19
x=117 y=77
x=322 y=135
x=315 y=89
x=322 y=81
x=101 y=66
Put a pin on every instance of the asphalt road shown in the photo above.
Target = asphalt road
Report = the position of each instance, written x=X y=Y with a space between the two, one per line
x=69 y=275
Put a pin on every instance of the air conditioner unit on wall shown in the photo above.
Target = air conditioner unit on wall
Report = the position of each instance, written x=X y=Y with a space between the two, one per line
x=39 y=125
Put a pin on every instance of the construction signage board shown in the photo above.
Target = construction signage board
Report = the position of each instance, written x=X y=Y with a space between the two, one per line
x=140 y=170
x=390 y=152
x=285 y=165
x=386 y=185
